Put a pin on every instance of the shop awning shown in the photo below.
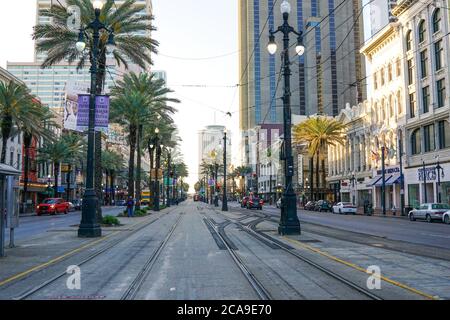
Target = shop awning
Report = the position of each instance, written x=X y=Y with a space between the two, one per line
x=394 y=179
x=386 y=179
x=373 y=181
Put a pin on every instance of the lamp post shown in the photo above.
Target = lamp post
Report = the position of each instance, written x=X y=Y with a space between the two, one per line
x=383 y=181
x=402 y=184
x=89 y=226
x=424 y=181
x=224 y=193
x=168 y=177
x=438 y=168
x=352 y=179
x=289 y=223
x=216 y=189
x=157 y=165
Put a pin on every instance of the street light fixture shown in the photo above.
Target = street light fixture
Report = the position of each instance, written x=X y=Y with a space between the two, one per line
x=89 y=226
x=438 y=168
x=352 y=179
x=224 y=193
x=157 y=165
x=289 y=223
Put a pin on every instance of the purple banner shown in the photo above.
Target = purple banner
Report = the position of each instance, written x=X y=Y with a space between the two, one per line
x=101 y=112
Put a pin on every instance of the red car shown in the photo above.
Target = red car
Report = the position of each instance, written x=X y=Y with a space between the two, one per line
x=244 y=202
x=53 y=206
x=255 y=202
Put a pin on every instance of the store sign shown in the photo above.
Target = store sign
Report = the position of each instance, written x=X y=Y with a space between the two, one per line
x=430 y=174
x=389 y=170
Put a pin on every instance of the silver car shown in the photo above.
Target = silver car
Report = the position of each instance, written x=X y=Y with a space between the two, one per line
x=429 y=212
x=446 y=217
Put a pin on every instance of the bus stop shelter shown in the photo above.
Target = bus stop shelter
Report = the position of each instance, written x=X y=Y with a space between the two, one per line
x=9 y=196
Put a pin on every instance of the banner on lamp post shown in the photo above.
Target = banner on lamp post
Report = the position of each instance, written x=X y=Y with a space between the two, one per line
x=101 y=113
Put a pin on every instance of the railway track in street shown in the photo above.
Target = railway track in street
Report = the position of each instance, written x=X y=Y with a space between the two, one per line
x=272 y=243
x=29 y=293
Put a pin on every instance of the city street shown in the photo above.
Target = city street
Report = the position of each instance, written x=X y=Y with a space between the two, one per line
x=33 y=225
x=194 y=251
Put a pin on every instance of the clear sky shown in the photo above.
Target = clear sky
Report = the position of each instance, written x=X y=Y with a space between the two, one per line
x=187 y=30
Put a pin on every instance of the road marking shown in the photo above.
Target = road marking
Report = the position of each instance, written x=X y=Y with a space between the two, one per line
x=354 y=266
x=50 y=262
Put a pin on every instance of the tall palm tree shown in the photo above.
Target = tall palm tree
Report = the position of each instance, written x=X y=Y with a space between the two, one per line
x=132 y=44
x=138 y=99
x=112 y=163
x=318 y=133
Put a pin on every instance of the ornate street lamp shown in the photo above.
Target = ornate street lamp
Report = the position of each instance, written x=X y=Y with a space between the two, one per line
x=224 y=191
x=289 y=223
x=157 y=165
x=89 y=226
x=438 y=169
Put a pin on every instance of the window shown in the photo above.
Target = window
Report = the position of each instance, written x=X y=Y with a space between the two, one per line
x=18 y=161
x=443 y=134
x=436 y=20
x=391 y=106
x=423 y=63
x=410 y=71
x=382 y=76
x=438 y=55
x=390 y=72
x=415 y=141
x=11 y=158
x=399 y=103
x=422 y=31
x=440 y=86
x=408 y=40
x=412 y=105
x=428 y=135
x=375 y=84
x=398 y=67
x=426 y=99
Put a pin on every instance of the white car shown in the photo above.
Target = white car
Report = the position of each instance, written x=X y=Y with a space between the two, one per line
x=344 y=208
x=446 y=217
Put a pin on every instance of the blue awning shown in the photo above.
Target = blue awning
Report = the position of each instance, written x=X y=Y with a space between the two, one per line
x=380 y=182
x=373 y=181
x=395 y=179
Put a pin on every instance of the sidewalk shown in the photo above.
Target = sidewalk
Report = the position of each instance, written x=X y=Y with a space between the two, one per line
x=31 y=214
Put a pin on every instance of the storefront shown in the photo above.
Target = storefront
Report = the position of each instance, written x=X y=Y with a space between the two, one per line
x=391 y=185
x=423 y=188
x=346 y=191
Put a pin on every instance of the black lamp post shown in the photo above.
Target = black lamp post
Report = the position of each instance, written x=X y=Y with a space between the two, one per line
x=438 y=169
x=352 y=179
x=216 y=189
x=289 y=223
x=224 y=193
x=168 y=177
x=89 y=226
x=383 y=181
x=157 y=165
x=424 y=181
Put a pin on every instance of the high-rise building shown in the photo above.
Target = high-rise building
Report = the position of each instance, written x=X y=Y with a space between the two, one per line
x=327 y=76
x=211 y=139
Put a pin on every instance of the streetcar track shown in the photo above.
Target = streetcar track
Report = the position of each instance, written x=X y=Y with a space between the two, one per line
x=133 y=289
x=251 y=227
x=260 y=290
x=109 y=246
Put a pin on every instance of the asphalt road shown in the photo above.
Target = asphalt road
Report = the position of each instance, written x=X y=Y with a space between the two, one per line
x=398 y=229
x=31 y=226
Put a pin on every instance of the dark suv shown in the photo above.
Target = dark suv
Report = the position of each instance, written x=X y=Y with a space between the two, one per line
x=323 y=205
x=254 y=202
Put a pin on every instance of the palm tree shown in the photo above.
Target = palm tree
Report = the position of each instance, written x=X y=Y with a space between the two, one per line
x=132 y=43
x=318 y=133
x=138 y=99
x=112 y=163
x=76 y=153
x=243 y=171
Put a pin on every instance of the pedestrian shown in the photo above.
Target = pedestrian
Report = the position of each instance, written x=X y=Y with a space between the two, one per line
x=130 y=205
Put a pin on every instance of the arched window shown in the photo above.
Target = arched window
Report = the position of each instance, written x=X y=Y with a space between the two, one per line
x=408 y=40
x=422 y=31
x=415 y=141
x=399 y=103
x=436 y=20
x=383 y=110
x=391 y=106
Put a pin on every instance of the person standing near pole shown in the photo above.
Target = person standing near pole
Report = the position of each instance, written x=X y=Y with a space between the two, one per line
x=130 y=205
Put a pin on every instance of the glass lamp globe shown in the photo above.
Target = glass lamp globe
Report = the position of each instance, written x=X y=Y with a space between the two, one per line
x=300 y=49
x=285 y=7
x=97 y=4
x=80 y=45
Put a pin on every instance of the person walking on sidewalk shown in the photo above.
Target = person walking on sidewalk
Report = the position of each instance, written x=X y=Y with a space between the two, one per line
x=130 y=205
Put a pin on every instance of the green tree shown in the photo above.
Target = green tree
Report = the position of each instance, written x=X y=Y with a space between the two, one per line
x=112 y=164
x=318 y=133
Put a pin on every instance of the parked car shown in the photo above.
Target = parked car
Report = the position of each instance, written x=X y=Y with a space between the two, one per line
x=344 y=208
x=310 y=205
x=254 y=202
x=278 y=204
x=71 y=206
x=53 y=206
x=429 y=212
x=196 y=197
x=446 y=217
x=244 y=202
x=77 y=204
x=322 y=205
